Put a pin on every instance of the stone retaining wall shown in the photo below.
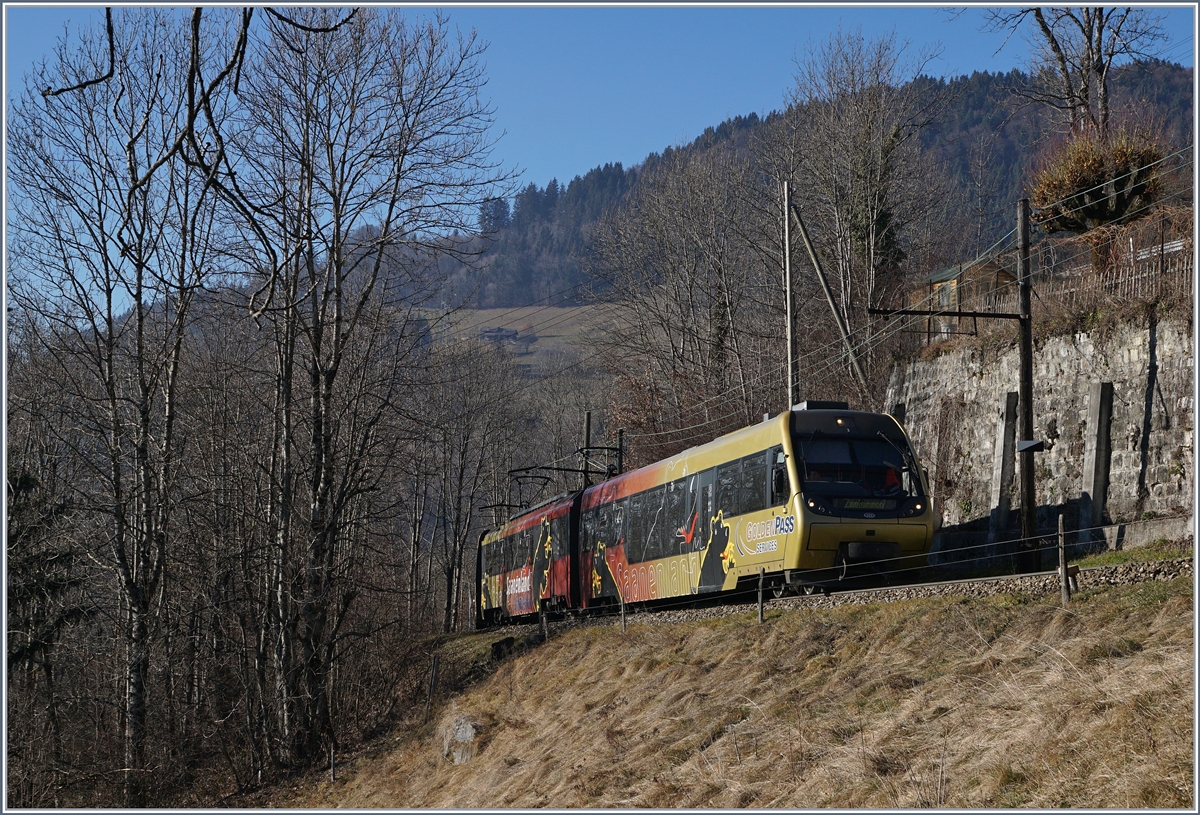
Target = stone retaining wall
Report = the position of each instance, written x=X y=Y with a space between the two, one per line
x=953 y=405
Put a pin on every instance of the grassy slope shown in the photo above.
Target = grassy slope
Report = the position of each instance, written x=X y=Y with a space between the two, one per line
x=1005 y=701
x=558 y=329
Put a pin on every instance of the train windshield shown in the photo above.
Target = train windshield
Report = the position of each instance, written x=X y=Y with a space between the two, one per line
x=879 y=470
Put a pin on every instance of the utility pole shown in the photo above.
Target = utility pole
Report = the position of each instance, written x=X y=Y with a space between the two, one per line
x=837 y=315
x=1025 y=386
x=587 y=446
x=1027 y=549
x=793 y=386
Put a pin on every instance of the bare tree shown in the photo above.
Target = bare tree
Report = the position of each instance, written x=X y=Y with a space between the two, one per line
x=50 y=589
x=470 y=401
x=853 y=124
x=695 y=301
x=117 y=243
x=1075 y=50
x=232 y=473
x=360 y=147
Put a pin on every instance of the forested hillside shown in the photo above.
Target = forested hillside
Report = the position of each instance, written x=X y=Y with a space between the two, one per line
x=986 y=139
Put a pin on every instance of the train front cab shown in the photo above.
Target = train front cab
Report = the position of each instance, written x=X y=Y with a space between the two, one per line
x=861 y=500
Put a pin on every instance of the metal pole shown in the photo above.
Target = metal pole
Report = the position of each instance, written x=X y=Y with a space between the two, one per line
x=620 y=451
x=587 y=444
x=433 y=672
x=1025 y=386
x=622 y=598
x=837 y=315
x=1063 y=584
x=760 y=592
x=792 y=384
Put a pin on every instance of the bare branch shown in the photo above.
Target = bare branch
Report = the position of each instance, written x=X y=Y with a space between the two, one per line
x=312 y=29
x=111 y=63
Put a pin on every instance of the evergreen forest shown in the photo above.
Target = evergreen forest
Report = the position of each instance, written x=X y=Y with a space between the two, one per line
x=987 y=140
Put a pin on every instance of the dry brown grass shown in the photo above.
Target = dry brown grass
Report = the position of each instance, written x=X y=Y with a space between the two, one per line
x=1008 y=701
x=558 y=328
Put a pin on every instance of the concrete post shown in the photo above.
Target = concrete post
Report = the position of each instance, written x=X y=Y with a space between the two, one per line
x=1097 y=454
x=1028 y=560
x=1064 y=584
x=1002 y=468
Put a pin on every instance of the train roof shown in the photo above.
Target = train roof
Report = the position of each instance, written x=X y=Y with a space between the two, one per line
x=843 y=422
x=518 y=521
x=562 y=496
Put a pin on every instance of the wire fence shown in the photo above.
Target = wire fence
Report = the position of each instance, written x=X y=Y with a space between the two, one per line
x=1014 y=556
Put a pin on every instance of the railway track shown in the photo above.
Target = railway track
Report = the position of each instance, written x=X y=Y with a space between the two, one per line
x=1034 y=583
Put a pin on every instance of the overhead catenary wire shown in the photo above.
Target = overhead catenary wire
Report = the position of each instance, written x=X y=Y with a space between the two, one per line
x=830 y=353
x=834 y=360
x=1183 y=151
x=817 y=375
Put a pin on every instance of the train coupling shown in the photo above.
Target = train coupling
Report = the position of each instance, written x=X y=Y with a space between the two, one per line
x=866 y=559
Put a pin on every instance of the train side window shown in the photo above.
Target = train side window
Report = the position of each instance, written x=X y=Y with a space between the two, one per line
x=708 y=509
x=654 y=521
x=780 y=486
x=728 y=488
x=635 y=532
x=754 y=483
x=559 y=529
x=675 y=517
x=619 y=531
x=589 y=530
x=696 y=508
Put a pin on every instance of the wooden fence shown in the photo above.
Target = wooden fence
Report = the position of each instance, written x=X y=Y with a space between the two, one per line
x=1142 y=280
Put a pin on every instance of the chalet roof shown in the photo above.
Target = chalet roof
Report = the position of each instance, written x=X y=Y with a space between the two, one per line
x=943 y=275
x=952 y=272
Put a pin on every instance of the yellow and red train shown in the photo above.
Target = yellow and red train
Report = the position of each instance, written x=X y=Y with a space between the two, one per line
x=814 y=498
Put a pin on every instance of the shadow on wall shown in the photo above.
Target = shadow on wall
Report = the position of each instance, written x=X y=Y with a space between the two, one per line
x=1115 y=411
x=963 y=550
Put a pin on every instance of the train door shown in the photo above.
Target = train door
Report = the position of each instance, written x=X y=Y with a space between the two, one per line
x=588 y=535
x=712 y=576
x=575 y=542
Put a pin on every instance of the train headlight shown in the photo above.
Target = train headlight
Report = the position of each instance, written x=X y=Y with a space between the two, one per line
x=818 y=506
x=913 y=508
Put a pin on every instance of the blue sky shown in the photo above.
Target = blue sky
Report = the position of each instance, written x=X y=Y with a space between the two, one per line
x=575 y=87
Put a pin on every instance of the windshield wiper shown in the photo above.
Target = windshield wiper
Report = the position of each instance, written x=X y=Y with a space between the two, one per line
x=905 y=455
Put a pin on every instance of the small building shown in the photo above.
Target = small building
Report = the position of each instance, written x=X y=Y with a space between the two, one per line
x=976 y=286
x=498 y=335
x=509 y=337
